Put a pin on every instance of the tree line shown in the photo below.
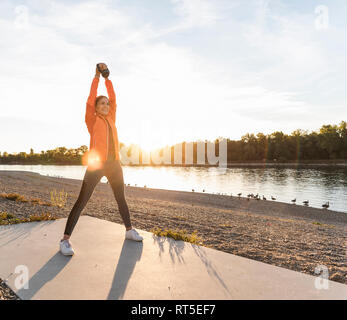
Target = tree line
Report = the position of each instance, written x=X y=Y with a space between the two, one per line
x=328 y=143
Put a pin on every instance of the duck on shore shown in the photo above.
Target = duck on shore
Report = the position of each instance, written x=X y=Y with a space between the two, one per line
x=306 y=202
x=325 y=205
x=293 y=201
x=272 y=198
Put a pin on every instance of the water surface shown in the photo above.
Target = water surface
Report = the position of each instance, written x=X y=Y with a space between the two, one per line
x=285 y=184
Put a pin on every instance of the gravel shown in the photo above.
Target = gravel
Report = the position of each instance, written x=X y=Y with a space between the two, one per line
x=289 y=236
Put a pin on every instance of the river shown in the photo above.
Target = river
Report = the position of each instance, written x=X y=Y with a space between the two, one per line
x=285 y=184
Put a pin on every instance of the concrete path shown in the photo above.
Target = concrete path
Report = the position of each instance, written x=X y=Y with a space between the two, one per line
x=106 y=266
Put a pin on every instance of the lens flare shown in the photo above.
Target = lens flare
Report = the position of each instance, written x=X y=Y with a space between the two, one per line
x=92 y=159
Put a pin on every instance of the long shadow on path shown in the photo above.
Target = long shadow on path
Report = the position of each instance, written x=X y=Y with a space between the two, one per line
x=20 y=231
x=176 y=249
x=47 y=273
x=130 y=254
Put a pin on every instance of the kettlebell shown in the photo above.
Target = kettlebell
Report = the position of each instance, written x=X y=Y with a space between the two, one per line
x=105 y=73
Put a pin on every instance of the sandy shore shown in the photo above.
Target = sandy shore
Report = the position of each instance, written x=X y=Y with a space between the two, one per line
x=290 y=236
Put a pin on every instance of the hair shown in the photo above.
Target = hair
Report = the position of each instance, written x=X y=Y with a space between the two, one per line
x=97 y=100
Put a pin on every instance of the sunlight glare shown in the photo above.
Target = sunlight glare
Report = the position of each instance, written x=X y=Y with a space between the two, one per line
x=92 y=159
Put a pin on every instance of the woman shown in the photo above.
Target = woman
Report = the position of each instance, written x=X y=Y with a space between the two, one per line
x=102 y=159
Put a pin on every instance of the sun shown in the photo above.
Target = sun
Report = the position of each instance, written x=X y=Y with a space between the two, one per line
x=149 y=146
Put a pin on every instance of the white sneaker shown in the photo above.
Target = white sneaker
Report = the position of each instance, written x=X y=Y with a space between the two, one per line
x=132 y=234
x=66 y=248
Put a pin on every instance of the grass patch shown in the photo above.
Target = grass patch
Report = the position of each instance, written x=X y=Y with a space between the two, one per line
x=39 y=202
x=179 y=234
x=9 y=218
x=322 y=224
x=18 y=197
x=317 y=223
x=42 y=217
x=226 y=225
x=13 y=197
x=5 y=215
x=58 y=199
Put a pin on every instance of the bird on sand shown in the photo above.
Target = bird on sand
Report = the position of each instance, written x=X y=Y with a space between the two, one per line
x=325 y=205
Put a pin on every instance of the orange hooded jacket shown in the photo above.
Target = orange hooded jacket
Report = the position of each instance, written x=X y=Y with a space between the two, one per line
x=98 y=128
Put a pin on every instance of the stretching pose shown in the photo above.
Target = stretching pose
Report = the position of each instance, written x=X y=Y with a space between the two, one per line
x=102 y=159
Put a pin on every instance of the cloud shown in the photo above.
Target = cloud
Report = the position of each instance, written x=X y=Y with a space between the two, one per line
x=215 y=67
x=196 y=13
x=20 y=134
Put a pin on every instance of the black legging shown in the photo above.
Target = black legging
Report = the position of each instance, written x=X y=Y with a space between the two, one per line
x=114 y=173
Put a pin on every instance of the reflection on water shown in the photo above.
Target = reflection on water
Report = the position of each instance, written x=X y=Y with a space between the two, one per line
x=315 y=185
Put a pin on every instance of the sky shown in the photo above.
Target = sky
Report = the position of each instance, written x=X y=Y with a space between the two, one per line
x=182 y=70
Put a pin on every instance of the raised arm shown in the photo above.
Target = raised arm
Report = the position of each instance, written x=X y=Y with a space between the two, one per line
x=90 y=108
x=112 y=98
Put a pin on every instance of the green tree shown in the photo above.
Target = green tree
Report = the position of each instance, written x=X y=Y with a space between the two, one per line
x=330 y=140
